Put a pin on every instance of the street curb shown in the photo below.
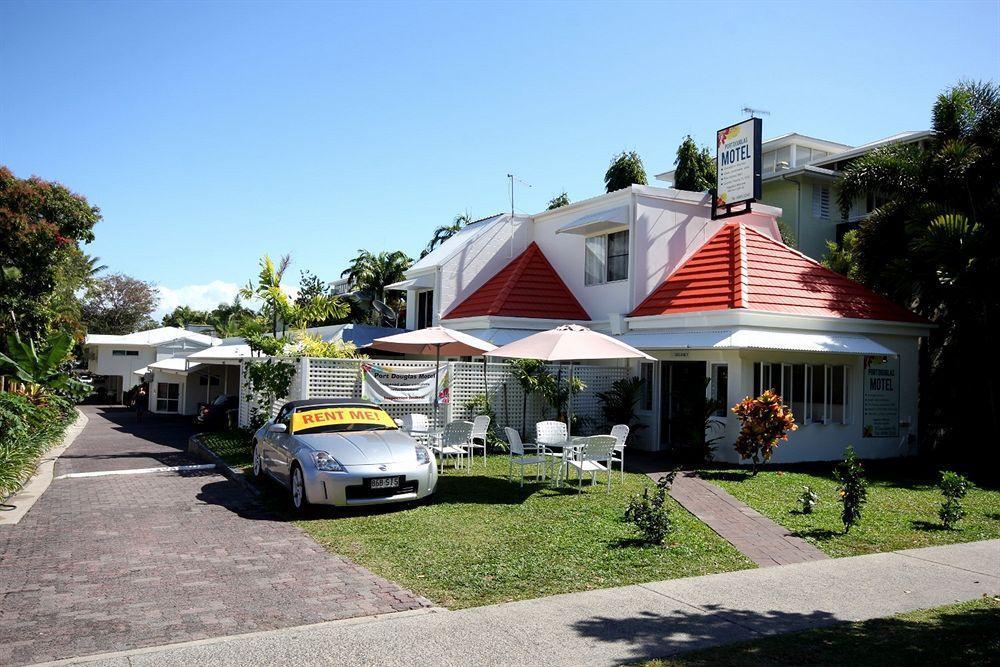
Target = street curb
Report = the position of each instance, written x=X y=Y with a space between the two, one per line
x=200 y=449
x=24 y=498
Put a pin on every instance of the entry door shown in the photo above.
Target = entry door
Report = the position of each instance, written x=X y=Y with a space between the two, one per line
x=682 y=406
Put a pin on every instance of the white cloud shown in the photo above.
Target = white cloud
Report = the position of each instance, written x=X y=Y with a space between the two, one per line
x=199 y=297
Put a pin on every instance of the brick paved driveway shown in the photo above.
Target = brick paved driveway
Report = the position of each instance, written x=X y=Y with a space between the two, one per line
x=125 y=561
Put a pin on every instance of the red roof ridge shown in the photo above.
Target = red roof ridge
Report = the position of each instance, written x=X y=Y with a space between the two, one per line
x=528 y=286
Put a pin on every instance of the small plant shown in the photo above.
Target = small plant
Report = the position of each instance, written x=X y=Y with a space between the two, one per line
x=953 y=487
x=650 y=513
x=480 y=405
x=808 y=499
x=765 y=422
x=853 y=488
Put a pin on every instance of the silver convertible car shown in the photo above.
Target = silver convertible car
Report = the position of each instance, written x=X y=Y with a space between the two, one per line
x=342 y=452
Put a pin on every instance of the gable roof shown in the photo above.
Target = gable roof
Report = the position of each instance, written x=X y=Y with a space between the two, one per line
x=740 y=267
x=527 y=287
x=454 y=244
x=153 y=337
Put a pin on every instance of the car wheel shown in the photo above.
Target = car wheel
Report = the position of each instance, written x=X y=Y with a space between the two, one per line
x=258 y=461
x=297 y=491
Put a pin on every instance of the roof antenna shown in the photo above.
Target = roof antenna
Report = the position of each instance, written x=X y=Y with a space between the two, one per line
x=512 y=178
x=753 y=113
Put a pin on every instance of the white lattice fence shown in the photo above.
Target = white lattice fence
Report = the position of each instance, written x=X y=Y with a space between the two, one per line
x=248 y=402
x=341 y=378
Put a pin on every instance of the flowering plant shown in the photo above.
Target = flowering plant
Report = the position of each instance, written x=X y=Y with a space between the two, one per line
x=765 y=422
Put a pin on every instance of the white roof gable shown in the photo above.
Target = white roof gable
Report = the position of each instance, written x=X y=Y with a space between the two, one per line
x=444 y=252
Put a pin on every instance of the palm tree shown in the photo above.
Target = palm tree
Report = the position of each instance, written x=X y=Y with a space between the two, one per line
x=279 y=307
x=445 y=232
x=369 y=273
x=933 y=245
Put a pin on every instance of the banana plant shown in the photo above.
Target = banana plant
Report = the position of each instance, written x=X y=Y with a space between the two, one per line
x=40 y=366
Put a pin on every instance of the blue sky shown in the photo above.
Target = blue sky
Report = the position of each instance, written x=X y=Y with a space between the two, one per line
x=210 y=133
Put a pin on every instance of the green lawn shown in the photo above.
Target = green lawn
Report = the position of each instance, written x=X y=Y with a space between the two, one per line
x=233 y=447
x=485 y=540
x=901 y=512
x=966 y=634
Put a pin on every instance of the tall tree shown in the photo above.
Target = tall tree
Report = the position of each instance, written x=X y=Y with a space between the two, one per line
x=694 y=168
x=181 y=316
x=933 y=244
x=369 y=273
x=626 y=169
x=279 y=309
x=445 y=232
x=42 y=225
x=560 y=200
x=118 y=304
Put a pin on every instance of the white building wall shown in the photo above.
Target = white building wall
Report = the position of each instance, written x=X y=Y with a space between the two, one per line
x=123 y=367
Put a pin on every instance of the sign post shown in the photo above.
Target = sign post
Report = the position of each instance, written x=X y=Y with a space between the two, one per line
x=737 y=169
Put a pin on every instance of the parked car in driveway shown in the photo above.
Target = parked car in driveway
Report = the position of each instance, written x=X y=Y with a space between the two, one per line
x=217 y=414
x=342 y=452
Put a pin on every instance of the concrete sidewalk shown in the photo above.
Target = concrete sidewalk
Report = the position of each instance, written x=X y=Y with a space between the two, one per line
x=620 y=625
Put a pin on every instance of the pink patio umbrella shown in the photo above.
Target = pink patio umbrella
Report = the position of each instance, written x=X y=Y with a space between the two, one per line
x=436 y=341
x=570 y=342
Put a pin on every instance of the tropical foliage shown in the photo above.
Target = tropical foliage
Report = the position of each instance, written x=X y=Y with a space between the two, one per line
x=277 y=306
x=618 y=404
x=27 y=430
x=626 y=169
x=445 y=232
x=560 y=200
x=369 y=273
x=764 y=422
x=118 y=304
x=953 y=487
x=694 y=169
x=853 y=488
x=43 y=368
x=932 y=244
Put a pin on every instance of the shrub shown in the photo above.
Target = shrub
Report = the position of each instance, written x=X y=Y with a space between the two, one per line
x=765 y=422
x=808 y=499
x=480 y=405
x=953 y=487
x=853 y=491
x=27 y=430
x=650 y=513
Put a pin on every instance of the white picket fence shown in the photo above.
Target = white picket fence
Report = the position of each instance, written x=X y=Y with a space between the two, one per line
x=341 y=378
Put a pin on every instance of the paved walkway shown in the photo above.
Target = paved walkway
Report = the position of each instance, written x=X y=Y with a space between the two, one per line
x=622 y=625
x=760 y=539
x=118 y=562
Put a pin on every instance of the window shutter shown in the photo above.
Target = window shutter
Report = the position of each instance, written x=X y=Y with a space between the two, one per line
x=821 y=202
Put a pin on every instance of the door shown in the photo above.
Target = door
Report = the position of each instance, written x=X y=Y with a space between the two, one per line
x=682 y=408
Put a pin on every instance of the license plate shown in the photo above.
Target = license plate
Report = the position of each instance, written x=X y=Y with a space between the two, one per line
x=383 y=483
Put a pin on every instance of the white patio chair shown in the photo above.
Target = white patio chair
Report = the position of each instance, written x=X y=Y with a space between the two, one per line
x=480 y=426
x=454 y=442
x=418 y=426
x=516 y=454
x=620 y=434
x=550 y=439
x=593 y=455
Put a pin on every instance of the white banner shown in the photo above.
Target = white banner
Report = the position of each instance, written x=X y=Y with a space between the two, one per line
x=737 y=159
x=382 y=383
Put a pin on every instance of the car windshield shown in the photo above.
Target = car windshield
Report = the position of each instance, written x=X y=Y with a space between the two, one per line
x=340 y=419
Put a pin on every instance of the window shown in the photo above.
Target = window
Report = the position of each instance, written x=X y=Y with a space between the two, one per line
x=767 y=163
x=802 y=155
x=816 y=393
x=124 y=353
x=167 y=396
x=646 y=375
x=783 y=155
x=606 y=258
x=425 y=309
x=821 y=202
x=720 y=389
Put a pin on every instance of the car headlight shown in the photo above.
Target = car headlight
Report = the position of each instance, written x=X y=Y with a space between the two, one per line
x=327 y=463
x=423 y=454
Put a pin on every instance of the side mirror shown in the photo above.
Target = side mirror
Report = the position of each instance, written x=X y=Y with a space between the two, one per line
x=277 y=428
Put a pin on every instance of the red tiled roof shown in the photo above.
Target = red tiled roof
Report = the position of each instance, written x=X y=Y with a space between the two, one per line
x=739 y=267
x=527 y=287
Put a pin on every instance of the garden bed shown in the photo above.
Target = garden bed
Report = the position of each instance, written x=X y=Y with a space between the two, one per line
x=901 y=512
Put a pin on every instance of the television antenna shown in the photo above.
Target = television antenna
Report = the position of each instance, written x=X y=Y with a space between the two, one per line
x=512 y=178
x=753 y=113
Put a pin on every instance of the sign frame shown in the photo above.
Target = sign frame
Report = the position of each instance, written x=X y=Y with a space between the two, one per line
x=742 y=207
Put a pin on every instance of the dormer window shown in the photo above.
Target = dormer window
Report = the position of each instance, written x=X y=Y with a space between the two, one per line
x=606 y=258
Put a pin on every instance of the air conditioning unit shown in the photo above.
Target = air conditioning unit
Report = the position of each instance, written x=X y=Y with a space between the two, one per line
x=781 y=166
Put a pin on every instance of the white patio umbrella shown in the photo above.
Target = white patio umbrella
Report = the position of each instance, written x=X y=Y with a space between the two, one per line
x=436 y=341
x=570 y=342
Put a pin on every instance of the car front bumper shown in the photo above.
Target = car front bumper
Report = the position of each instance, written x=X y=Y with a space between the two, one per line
x=347 y=489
